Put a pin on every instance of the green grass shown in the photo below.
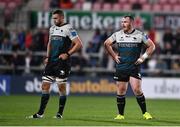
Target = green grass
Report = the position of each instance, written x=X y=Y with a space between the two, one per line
x=87 y=111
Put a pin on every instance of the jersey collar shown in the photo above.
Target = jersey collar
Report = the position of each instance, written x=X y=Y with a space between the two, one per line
x=131 y=31
x=62 y=24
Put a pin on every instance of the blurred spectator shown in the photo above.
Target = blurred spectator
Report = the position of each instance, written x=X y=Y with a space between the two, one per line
x=15 y=46
x=107 y=33
x=66 y=4
x=28 y=40
x=7 y=16
x=14 y=40
x=104 y=60
x=54 y=4
x=21 y=38
x=13 y=35
x=152 y=35
x=161 y=65
x=136 y=6
x=1 y=35
x=46 y=38
x=90 y=48
x=168 y=49
x=177 y=41
x=111 y=1
x=28 y=58
x=176 y=65
x=168 y=41
x=96 y=40
x=15 y=61
x=6 y=45
x=152 y=63
x=168 y=36
x=79 y=62
x=38 y=41
x=6 y=34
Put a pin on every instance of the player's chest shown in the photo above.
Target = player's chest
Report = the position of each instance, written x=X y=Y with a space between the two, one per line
x=58 y=32
x=128 y=39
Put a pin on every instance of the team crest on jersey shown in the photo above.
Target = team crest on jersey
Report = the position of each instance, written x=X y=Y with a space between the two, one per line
x=62 y=72
x=134 y=38
x=73 y=33
x=52 y=31
x=139 y=75
x=121 y=39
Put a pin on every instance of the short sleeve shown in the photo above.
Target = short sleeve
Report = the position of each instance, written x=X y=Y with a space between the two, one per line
x=72 y=33
x=145 y=38
x=113 y=37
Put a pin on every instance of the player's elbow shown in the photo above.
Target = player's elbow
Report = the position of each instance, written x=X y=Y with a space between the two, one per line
x=80 y=45
x=106 y=43
x=153 y=47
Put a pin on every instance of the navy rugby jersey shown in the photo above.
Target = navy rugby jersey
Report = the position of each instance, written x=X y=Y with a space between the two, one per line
x=60 y=40
x=129 y=47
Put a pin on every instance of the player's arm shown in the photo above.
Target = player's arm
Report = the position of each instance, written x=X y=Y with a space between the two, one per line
x=149 y=50
x=47 y=52
x=108 y=46
x=76 y=45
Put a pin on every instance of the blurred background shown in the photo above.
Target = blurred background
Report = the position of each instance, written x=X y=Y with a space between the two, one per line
x=24 y=27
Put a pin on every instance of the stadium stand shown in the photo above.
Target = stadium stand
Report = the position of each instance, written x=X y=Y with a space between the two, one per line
x=23 y=48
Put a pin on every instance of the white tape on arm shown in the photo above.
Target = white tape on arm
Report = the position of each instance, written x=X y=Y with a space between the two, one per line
x=145 y=55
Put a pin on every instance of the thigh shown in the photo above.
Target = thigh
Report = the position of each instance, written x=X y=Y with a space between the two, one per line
x=136 y=85
x=45 y=86
x=61 y=82
x=121 y=87
x=62 y=88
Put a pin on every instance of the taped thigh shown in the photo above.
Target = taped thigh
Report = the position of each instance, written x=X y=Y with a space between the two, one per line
x=49 y=79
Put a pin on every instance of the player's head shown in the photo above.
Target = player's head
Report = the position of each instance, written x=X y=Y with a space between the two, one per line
x=127 y=23
x=58 y=17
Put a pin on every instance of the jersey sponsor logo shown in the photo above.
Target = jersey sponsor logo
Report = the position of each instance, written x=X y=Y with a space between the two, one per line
x=127 y=45
x=73 y=33
x=56 y=38
x=115 y=77
x=146 y=36
x=139 y=75
x=4 y=85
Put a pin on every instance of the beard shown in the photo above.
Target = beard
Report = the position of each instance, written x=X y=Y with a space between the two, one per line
x=57 y=23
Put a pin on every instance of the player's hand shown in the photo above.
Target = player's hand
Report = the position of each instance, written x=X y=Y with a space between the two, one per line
x=46 y=60
x=116 y=58
x=63 y=56
x=139 y=61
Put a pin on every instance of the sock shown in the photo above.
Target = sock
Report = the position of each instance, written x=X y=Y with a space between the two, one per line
x=121 y=101
x=142 y=102
x=44 y=101
x=62 y=102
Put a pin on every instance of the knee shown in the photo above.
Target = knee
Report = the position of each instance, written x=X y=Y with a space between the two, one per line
x=45 y=87
x=121 y=91
x=137 y=91
x=62 y=90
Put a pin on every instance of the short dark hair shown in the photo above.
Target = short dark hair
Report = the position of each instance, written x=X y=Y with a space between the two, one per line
x=130 y=17
x=59 y=12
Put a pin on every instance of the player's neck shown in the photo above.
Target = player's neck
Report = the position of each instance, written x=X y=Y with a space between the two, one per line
x=61 y=24
x=130 y=31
